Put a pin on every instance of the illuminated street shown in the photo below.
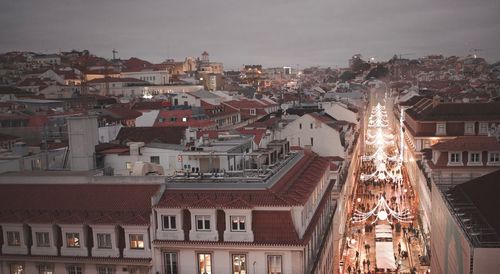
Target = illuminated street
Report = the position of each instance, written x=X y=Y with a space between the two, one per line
x=383 y=231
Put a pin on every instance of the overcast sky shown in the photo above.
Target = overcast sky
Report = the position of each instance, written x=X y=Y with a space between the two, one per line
x=267 y=32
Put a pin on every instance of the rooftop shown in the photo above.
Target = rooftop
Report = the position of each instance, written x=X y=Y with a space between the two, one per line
x=76 y=204
x=288 y=184
x=475 y=205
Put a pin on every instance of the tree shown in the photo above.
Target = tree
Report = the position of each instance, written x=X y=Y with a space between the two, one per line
x=347 y=75
x=378 y=72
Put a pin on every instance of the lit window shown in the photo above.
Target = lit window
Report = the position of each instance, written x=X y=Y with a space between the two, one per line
x=42 y=239
x=202 y=222
x=128 y=165
x=455 y=157
x=274 y=264
x=474 y=157
x=136 y=241
x=170 y=263
x=45 y=269
x=13 y=238
x=239 y=264
x=105 y=270
x=204 y=263
x=169 y=222
x=16 y=268
x=238 y=223
x=72 y=239
x=75 y=269
x=104 y=240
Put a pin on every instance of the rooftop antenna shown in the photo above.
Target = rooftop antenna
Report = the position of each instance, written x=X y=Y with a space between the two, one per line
x=114 y=53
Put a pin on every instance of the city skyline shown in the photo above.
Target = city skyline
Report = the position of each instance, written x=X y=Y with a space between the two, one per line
x=271 y=34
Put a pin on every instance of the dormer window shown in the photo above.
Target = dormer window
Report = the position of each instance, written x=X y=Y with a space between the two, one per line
x=455 y=158
x=474 y=158
x=202 y=222
x=483 y=128
x=238 y=223
x=169 y=222
x=13 y=238
x=42 y=239
x=493 y=158
x=104 y=240
x=136 y=241
x=440 y=128
x=469 y=128
x=253 y=111
x=73 y=240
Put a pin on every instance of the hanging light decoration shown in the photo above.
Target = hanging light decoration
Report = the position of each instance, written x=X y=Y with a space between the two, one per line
x=383 y=212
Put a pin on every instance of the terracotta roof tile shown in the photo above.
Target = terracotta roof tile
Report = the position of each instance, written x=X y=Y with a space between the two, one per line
x=90 y=204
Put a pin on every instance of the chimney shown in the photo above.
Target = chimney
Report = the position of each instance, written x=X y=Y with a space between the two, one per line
x=83 y=137
x=135 y=148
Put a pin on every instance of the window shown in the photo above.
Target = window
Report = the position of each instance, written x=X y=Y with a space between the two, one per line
x=16 y=268
x=155 y=159
x=13 y=238
x=239 y=264
x=474 y=157
x=483 y=128
x=299 y=141
x=170 y=263
x=311 y=125
x=42 y=239
x=312 y=141
x=238 y=223
x=300 y=126
x=441 y=129
x=105 y=270
x=494 y=157
x=253 y=111
x=169 y=222
x=104 y=240
x=274 y=264
x=136 y=241
x=204 y=263
x=454 y=157
x=72 y=239
x=128 y=165
x=75 y=269
x=45 y=269
x=469 y=128
x=202 y=222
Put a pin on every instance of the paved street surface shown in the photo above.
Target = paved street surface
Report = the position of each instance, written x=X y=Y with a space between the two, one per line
x=359 y=253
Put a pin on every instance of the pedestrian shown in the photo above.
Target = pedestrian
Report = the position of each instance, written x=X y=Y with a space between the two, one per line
x=368 y=262
x=349 y=269
x=357 y=255
x=364 y=263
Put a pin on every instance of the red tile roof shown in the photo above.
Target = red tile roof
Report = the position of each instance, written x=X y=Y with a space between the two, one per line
x=115 y=80
x=468 y=143
x=273 y=227
x=294 y=188
x=257 y=133
x=75 y=204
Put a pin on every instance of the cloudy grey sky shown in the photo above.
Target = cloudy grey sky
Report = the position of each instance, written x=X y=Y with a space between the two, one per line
x=268 y=32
